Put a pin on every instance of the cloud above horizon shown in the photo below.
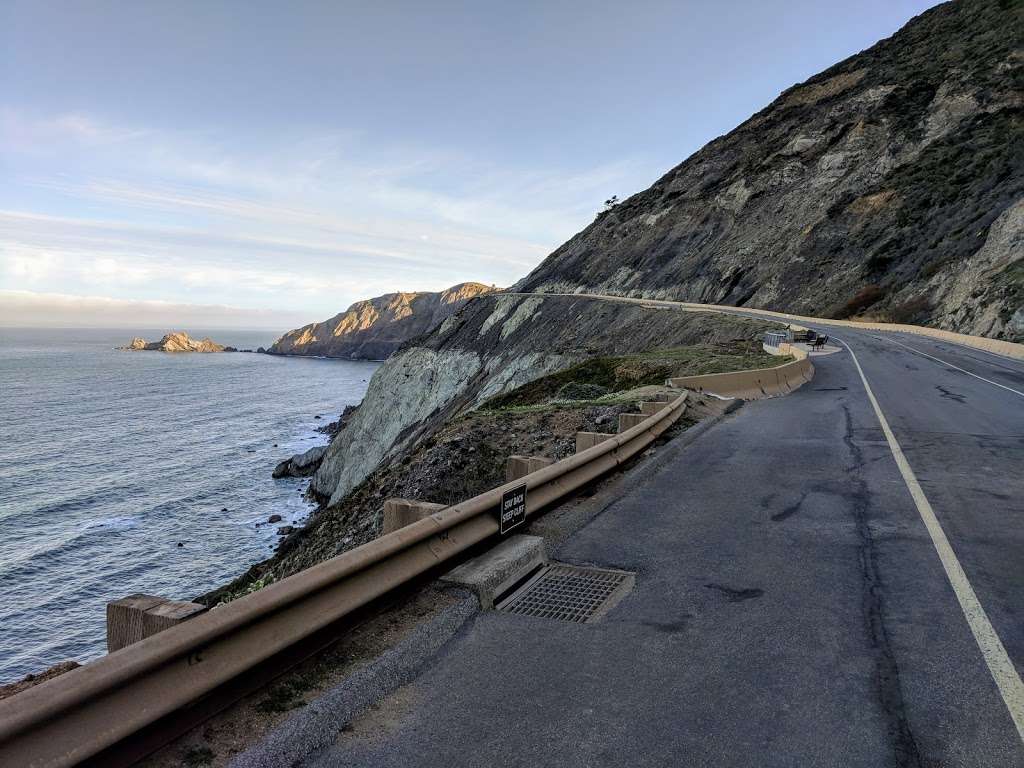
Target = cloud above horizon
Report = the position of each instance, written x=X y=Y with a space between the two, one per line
x=146 y=216
x=27 y=309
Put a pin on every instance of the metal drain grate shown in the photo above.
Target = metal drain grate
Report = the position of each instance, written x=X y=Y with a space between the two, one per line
x=569 y=593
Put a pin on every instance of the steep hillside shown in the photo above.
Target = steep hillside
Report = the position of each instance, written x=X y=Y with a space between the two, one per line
x=374 y=329
x=890 y=185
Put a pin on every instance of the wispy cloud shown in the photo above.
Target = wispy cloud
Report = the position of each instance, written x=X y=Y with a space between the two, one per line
x=317 y=220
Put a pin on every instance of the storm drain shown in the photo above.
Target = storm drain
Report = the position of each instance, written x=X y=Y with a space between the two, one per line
x=569 y=593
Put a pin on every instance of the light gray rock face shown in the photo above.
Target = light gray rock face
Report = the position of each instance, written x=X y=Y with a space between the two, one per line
x=403 y=393
x=497 y=343
x=892 y=171
x=375 y=328
x=960 y=303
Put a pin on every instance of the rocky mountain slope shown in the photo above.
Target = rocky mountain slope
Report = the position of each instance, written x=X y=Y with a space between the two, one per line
x=177 y=341
x=375 y=328
x=890 y=185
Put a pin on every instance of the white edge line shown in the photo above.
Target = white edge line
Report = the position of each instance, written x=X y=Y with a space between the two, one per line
x=951 y=365
x=999 y=664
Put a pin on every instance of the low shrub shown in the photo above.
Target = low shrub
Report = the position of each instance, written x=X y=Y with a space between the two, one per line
x=578 y=390
x=864 y=298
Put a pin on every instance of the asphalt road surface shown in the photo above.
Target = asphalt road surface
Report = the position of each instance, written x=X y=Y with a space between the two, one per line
x=794 y=602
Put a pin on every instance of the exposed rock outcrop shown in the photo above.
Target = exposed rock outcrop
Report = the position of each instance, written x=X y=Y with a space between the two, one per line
x=375 y=328
x=177 y=341
x=889 y=185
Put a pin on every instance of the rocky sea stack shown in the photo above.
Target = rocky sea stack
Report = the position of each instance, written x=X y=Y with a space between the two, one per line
x=176 y=341
x=375 y=328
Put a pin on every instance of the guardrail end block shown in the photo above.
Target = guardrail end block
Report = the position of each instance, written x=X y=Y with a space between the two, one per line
x=520 y=466
x=138 y=616
x=399 y=513
x=585 y=440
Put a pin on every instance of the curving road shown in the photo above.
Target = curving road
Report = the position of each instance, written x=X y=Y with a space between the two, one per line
x=813 y=589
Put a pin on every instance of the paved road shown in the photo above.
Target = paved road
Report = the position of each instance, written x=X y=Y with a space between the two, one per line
x=790 y=607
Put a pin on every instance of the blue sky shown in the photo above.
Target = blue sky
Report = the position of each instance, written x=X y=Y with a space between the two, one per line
x=265 y=164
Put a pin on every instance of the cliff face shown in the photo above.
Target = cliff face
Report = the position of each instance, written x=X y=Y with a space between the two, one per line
x=890 y=185
x=374 y=329
x=495 y=344
x=177 y=341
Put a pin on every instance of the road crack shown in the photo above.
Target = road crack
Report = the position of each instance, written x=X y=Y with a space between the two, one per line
x=887 y=673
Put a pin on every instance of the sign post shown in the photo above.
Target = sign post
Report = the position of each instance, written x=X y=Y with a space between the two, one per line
x=513 y=509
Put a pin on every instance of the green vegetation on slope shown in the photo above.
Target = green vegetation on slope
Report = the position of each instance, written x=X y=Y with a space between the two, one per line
x=595 y=379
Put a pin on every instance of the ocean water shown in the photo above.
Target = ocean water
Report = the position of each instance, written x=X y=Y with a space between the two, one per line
x=110 y=459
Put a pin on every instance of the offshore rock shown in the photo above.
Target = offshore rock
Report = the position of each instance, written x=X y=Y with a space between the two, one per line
x=176 y=341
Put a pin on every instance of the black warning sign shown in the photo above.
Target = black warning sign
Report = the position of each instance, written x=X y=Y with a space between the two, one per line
x=513 y=509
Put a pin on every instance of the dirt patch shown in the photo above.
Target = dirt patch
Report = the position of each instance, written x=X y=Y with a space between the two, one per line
x=32 y=680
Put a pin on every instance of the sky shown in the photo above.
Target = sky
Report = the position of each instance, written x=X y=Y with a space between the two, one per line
x=264 y=165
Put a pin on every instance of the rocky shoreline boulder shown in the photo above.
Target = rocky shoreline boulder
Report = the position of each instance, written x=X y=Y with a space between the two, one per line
x=301 y=464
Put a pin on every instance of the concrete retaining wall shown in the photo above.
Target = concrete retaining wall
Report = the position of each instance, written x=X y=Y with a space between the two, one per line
x=752 y=385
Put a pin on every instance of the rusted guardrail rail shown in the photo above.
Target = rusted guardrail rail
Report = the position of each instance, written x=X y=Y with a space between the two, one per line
x=90 y=710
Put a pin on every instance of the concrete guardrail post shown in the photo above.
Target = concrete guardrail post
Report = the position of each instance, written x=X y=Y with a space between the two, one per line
x=585 y=440
x=630 y=420
x=520 y=466
x=138 y=616
x=399 y=513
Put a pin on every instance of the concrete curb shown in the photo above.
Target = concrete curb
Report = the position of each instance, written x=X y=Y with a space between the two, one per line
x=318 y=724
x=753 y=384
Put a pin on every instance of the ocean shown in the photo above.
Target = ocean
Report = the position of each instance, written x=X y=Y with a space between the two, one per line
x=110 y=459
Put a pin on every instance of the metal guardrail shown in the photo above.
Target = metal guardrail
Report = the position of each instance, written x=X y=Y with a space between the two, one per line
x=90 y=710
